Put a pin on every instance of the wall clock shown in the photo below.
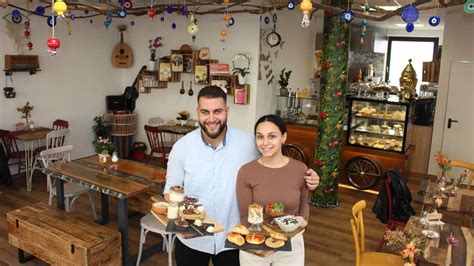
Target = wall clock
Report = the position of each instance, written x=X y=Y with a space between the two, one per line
x=273 y=38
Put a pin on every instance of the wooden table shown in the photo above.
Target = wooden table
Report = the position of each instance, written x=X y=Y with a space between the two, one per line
x=176 y=129
x=439 y=252
x=463 y=202
x=29 y=137
x=130 y=179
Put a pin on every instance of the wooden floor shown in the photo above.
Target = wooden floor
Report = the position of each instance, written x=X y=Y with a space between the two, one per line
x=328 y=238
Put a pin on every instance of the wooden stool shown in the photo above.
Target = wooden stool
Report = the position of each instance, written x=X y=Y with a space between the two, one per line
x=150 y=223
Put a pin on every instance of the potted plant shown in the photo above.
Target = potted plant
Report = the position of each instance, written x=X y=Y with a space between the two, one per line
x=26 y=111
x=241 y=67
x=103 y=146
x=101 y=127
x=284 y=81
x=153 y=45
x=138 y=150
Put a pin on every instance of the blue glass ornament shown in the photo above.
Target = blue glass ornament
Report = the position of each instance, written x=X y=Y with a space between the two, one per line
x=86 y=12
x=362 y=34
x=347 y=16
x=434 y=21
x=231 y=21
x=73 y=17
x=267 y=20
x=410 y=14
x=169 y=9
x=122 y=13
x=108 y=19
x=109 y=13
x=106 y=24
x=16 y=19
x=366 y=7
x=162 y=18
x=410 y=27
x=50 y=21
x=16 y=13
x=132 y=23
x=184 y=10
x=274 y=18
x=290 y=5
x=39 y=10
x=364 y=22
x=173 y=25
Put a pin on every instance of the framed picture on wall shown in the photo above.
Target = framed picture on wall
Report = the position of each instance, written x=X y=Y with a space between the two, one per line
x=200 y=75
x=165 y=71
x=177 y=62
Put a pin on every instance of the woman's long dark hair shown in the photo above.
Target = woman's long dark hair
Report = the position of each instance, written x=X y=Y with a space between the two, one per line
x=276 y=120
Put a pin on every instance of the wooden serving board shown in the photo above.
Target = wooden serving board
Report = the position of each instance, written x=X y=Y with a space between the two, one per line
x=264 y=253
x=207 y=220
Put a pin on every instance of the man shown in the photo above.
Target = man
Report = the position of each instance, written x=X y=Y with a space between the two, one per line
x=206 y=161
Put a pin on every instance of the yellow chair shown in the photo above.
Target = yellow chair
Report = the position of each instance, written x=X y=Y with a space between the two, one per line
x=469 y=169
x=364 y=258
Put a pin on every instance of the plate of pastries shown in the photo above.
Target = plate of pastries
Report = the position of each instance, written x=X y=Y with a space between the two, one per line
x=242 y=238
x=191 y=209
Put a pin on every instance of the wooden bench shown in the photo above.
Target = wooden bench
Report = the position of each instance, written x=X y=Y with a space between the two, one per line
x=57 y=237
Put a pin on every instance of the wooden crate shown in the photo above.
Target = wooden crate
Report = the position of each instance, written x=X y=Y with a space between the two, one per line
x=57 y=237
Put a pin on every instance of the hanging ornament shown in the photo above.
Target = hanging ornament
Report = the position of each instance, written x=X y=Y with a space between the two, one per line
x=107 y=23
x=364 y=22
x=347 y=16
x=184 y=10
x=39 y=10
x=59 y=8
x=51 y=20
x=128 y=4
x=305 y=7
x=169 y=9
x=341 y=44
x=274 y=17
x=72 y=17
x=319 y=163
x=173 y=25
x=132 y=23
x=30 y=46
x=69 y=27
x=227 y=18
x=16 y=16
x=223 y=35
x=266 y=20
x=231 y=22
x=338 y=95
x=53 y=44
x=151 y=13
x=410 y=14
x=325 y=65
x=291 y=5
x=434 y=21
x=323 y=115
x=192 y=28
x=122 y=13
x=27 y=34
x=162 y=18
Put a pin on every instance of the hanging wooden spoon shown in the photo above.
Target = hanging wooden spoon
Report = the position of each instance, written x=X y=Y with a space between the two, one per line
x=182 y=90
x=190 y=91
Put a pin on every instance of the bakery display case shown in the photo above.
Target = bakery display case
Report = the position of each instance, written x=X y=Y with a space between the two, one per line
x=378 y=123
x=297 y=110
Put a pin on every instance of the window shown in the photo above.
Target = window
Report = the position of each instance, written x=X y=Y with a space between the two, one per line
x=401 y=49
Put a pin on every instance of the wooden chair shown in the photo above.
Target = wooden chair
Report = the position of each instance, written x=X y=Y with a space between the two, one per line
x=157 y=147
x=11 y=149
x=469 y=170
x=54 y=139
x=60 y=124
x=361 y=256
x=71 y=191
x=168 y=139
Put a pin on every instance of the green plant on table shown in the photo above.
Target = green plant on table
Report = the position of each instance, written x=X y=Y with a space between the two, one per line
x=284 y=78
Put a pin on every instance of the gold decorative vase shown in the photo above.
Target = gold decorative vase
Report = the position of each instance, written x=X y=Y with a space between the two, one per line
x=408 y=82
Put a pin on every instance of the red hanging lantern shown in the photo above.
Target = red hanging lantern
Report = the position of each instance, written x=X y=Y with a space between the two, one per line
x=53 y=44
x=151 y=13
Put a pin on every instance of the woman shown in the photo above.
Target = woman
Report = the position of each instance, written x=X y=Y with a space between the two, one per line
x=274 y=178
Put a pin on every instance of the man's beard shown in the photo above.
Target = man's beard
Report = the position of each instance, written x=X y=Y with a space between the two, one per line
x=221 y=128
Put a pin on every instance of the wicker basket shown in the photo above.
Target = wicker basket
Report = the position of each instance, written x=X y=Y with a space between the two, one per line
x=122 y=124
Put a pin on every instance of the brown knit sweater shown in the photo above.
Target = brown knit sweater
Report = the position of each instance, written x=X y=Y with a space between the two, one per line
x=263 y=185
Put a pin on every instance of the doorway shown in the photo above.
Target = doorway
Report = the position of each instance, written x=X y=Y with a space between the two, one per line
x=401 y=49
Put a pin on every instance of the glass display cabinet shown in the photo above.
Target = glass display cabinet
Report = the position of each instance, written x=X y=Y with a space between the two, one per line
x=379 y=123
x=297 y=110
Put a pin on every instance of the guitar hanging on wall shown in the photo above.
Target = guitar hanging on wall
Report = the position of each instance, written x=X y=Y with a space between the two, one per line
x=122 y=56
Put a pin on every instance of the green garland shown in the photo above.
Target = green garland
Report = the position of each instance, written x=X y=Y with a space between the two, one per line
x=333 y=90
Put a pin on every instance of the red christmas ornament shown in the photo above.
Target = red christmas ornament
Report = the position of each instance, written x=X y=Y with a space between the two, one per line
x=27 y=33
x=341 y=44
x=27 y=23
x=323 y=115
x=329 y=14
x=325 y=64
x=333 y=144
x=30 y=46
x=53 y=44
x=319 y=163
x=338 y=95
x=151 y=13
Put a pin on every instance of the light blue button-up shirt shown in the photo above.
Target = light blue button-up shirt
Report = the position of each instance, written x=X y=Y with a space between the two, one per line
x=211 y=173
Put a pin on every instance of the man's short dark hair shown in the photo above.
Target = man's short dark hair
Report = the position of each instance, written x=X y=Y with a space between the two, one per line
x=212 y=92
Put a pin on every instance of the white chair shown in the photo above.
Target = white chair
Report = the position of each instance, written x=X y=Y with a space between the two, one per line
x=150 y=223
x=55 y=138
x=71 y=191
